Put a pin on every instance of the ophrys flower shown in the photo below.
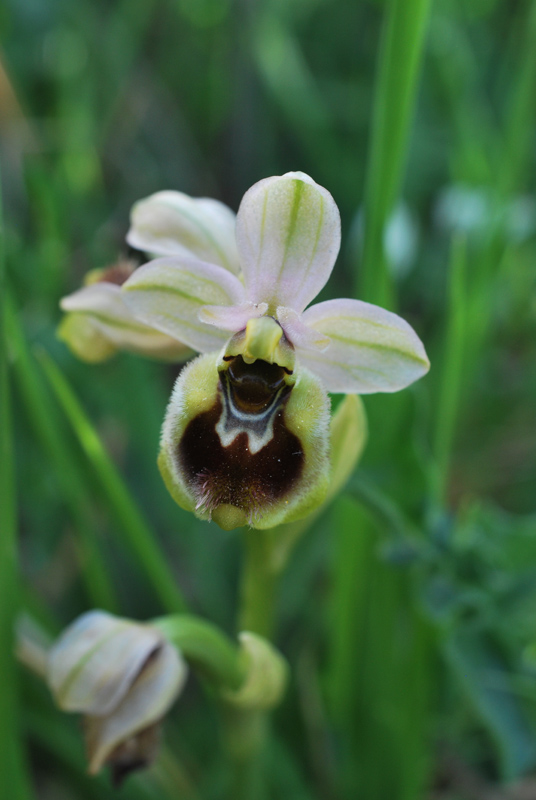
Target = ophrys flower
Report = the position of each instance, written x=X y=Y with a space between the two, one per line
x=99 y=323
x=123 y=676
x=246 y=433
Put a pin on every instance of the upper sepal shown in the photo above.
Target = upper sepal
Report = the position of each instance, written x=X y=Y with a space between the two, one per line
x=173 y=224
x=288 y=233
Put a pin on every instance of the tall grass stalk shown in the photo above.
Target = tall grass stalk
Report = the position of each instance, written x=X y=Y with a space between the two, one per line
x=520 y=112
x=451 y=365
x=394 y=99
x=43 y=419
x=377 y=645
x=13 y=777
x=132 y=525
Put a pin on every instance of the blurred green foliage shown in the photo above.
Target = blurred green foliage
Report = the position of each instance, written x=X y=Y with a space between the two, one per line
x=408 y=611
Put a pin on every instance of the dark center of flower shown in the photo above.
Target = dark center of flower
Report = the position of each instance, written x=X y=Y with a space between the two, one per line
x=241 y=453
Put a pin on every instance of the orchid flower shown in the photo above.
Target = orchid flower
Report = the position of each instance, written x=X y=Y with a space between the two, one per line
x=245 y=438
x=123 y=676
x=99 y=323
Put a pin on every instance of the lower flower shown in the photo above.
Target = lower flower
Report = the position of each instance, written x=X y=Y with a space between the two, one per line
x=123 y=677
x=245 y=438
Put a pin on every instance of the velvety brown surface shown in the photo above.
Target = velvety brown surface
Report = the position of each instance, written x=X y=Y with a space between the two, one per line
x=234 y=475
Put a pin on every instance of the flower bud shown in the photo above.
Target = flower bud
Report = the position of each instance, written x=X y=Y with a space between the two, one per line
x=266 y=675
x=98 y=322
x=123 y=676
x=245 y=438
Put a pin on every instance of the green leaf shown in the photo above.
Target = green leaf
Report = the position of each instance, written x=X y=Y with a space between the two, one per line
x=484 y=676
x=12 y=768
x=46 y=426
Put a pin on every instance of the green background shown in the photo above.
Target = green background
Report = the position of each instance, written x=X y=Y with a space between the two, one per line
x=408 y=611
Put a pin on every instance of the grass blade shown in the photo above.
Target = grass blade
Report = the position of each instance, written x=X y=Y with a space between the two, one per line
x=133 y=527
x=12 y=770
x=452 y=365
x=521 y=109
x=377 y=644
x=98 y=584
x=396 y=87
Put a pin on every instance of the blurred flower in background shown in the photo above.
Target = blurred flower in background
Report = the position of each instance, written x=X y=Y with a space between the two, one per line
x=123 y=676
x=99 y=323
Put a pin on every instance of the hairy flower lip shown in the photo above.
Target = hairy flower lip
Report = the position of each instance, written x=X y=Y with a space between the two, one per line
x=215 y=471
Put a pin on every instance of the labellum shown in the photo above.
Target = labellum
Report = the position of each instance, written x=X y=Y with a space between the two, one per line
x=245 y=437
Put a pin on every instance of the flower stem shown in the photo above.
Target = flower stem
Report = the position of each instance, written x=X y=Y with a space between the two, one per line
x=244 y=742
x=206 y=647
x=246 y=730
x=257 y=601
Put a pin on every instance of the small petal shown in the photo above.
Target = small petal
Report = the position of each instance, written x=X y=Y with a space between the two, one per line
x=371 y=350
x=169 y=293
x=288 y=236
x=101 y=307
x=174 y=224
x=298 y=333
x=150 y=696
x=94 y=662
x=232 y=318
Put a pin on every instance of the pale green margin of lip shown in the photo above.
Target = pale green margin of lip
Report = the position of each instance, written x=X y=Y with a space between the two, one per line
x=12 y=767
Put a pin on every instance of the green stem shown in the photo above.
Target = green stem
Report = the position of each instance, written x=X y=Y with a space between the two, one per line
x=206 y=647
x=245 y=731
x=245 y=735
x=258 y=585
